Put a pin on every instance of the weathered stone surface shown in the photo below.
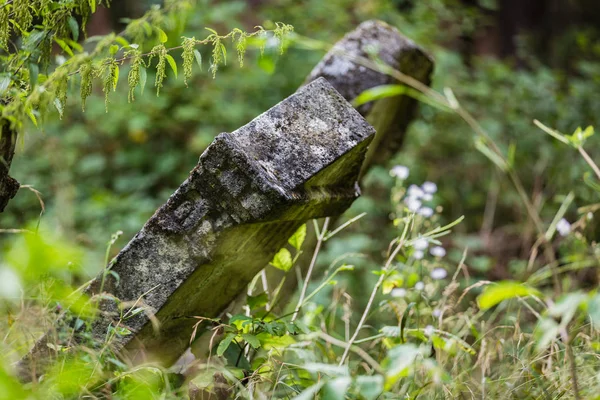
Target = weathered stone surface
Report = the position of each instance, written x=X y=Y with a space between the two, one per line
x=250 y=191
x=389 y=116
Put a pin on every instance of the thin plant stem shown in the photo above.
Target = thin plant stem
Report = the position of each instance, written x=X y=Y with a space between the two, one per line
x=386 y=268
x=320 y=237
x=589 y=160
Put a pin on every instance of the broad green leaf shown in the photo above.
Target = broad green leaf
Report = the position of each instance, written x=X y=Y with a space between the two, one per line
x=336 y=388
x=494 y=294
x=257 y=301
x=34 y=71
x=162 y=36
x=370 y=387
x=282 y=260
x=251 y=340
x=172 y=63
x=114 y=49
x=123 y=42
x=298 y=237
x=74 y=26
x=225 y=343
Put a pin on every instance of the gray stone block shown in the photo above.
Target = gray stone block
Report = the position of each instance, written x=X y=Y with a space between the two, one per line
x=250 y=191
x=390 y=116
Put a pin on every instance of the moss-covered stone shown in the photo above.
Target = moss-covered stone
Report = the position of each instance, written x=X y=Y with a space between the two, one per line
x=250 y=191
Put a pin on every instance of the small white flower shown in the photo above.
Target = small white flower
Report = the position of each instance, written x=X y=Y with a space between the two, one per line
x=438 y=251
x=398 y=292
x=420 y=244
x=418 y=254
x=563 y=227
x=415 y=191
x=427 y=197
x=428 y=331
x=589 y=216
x=429 y=187
x=436 y=312
x=400 y=172
x=425 y=211
x=412 y=204
x=419 y=285
x=438 y=273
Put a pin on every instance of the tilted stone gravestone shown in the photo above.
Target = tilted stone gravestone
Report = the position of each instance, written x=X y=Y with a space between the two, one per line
x=390 y=116
x=250 y=191
x=342 y=68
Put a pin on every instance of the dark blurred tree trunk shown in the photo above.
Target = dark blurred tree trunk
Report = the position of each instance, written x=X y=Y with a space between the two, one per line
x=8 y=185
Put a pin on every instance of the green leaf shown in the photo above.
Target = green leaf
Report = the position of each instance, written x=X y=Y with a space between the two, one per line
x=298 y=237
x=398 y=361
x=225 y=343
x=336 y=388
x=212 y=31
x=123 y=42
x=198 y=58
x=114 y=49
x=64 y=46
x=260 y=300
x=32 y=117
x=74 y=26
x=172 y=63
x=310 y=392
x=251 y=340
x=494 y=294
x=93 y=5
x=34 y=71
x=370 y=387
x=282 y=260
x=143 y=78
x=383 y=91
x=379 y=92
x=594 y=311
x=162 y=36
x=224 y=52
x=4 y=84
x=327 y=369
x=115 y=77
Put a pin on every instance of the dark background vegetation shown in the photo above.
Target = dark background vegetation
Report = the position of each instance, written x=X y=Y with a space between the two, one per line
x=508 y=62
